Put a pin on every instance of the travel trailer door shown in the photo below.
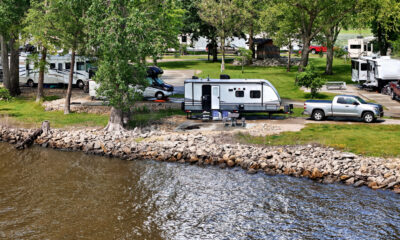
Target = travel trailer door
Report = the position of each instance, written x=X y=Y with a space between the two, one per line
x=215 y=97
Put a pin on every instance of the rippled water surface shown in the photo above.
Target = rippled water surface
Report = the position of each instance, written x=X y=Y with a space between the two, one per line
x=47 y=194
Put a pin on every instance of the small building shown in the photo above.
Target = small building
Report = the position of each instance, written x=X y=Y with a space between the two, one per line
x=265 y=48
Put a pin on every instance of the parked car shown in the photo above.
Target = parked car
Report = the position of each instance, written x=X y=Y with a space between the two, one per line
x=343 y=106
x=395 y=89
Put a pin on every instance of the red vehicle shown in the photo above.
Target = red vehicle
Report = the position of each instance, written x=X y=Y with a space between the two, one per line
x=395 y=89
x=316 y=49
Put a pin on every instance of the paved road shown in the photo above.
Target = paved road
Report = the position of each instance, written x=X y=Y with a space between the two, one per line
x=177 y=78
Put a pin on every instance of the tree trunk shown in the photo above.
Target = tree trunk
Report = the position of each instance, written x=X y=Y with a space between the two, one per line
x=14 y=69
x=5 y=60
x=115 y=123
x=67 y=108
x=329 y=61
x=215 y=50
x=331 y=37
x=289 y=57
x=304 y=54
x=223 y=54
x=42 y=65
x=251 y=44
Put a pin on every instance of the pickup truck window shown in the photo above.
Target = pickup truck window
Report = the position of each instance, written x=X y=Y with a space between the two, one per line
x=361 y=100
x=341 y=100
x=350 y=101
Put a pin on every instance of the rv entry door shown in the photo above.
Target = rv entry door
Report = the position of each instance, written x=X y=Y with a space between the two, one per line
x=215 y=98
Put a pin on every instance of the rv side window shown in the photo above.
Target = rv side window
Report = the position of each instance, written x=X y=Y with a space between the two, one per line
x=365 y=48
x=80 y=66
x=52 y=66
x=60 y=67
x=364 y=66
x=67 y=65
x=255 y=94
x=355 y=46
x=239 y=93
x=353 y=65
x=369 y=47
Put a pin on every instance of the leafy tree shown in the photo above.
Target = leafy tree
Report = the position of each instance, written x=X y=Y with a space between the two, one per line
x=245 y=56
x=71 y=31
x=309 y=78
x=224 y=15
x=197 y=27
x=11 y=15
x=40 y=31
x=120 y=34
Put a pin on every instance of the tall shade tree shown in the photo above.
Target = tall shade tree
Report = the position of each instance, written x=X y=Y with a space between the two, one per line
x=225 y=16
x=11 y=15
x=314 y=16
x=194 y=26
x=71 y=31
x=121 y=37
x=41 y=32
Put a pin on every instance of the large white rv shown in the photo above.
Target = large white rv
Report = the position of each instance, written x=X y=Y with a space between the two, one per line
x=358 y=47
x=58 y=71
x=377 y=72
x=233 y=95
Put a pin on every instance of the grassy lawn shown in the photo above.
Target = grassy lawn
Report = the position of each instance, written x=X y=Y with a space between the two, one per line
x=371 y=140
x=282 y=80
x=33 y=114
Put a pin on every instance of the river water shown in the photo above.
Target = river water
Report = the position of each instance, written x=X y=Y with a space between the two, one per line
x=46 y=194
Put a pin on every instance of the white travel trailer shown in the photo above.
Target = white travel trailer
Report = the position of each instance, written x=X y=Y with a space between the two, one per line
x=232 y=95
x=359 y=69
x=358 y=47
x=58 y=71
x=379 y=72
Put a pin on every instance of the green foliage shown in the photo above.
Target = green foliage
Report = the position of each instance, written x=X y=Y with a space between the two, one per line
x=321 y=54
x=310 y=79
x=5 y=94
x=357 y=138
x=339 y=52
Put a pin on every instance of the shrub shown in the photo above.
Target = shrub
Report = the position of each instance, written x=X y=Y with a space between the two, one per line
x=310 y=79
x=339 y=52
x=5 y=94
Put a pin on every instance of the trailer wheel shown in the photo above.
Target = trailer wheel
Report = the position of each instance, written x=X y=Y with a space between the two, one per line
x=393 y=95
x=80 y=84
x=159 y=95
x=318 y=115
x=30 y=83
x=368 y=117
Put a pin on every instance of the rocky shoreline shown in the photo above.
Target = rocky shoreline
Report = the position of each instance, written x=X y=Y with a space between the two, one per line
x=325 y=165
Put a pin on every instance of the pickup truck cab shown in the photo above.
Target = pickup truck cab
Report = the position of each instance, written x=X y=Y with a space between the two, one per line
x=343 y=106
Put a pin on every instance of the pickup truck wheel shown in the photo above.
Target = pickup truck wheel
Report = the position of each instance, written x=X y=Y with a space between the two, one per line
x=313 y=51
x=393 y=95
x=318 y=115
x=368 y=117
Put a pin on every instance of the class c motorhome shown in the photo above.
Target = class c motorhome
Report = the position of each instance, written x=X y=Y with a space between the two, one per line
x=57 y=72
x=233 y=95
x=360 y=46
x=375 y=72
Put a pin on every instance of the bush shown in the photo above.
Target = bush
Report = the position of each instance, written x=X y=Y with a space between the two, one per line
x=339 y=52
x=5 y=94
x=310 y=79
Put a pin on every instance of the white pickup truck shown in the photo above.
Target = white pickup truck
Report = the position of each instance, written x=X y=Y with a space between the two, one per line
x=343 y=106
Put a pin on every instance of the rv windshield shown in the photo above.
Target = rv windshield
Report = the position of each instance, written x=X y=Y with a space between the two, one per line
x=361 y=100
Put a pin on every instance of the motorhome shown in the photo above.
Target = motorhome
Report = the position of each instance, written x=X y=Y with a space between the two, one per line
x=156 y=88
x=360 y=46
x=232 y=95
x=375 y=72
x=58 y=71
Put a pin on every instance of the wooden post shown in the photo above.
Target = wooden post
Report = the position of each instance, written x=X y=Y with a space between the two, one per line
x=46 y=127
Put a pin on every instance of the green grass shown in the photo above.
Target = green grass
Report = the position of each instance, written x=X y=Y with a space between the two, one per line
x=282 y=80
x=30 y=112
x=366 y=139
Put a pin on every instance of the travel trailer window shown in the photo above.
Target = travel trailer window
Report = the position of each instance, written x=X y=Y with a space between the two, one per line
x=355 y=46
x=184 y=39
x=365 y=47
x=67 y=65
x=52 y=66
x=364 y=66
x=255 y=94
x=60 y=67
x=239 y=93
x=80 y=66
x=370 y=47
